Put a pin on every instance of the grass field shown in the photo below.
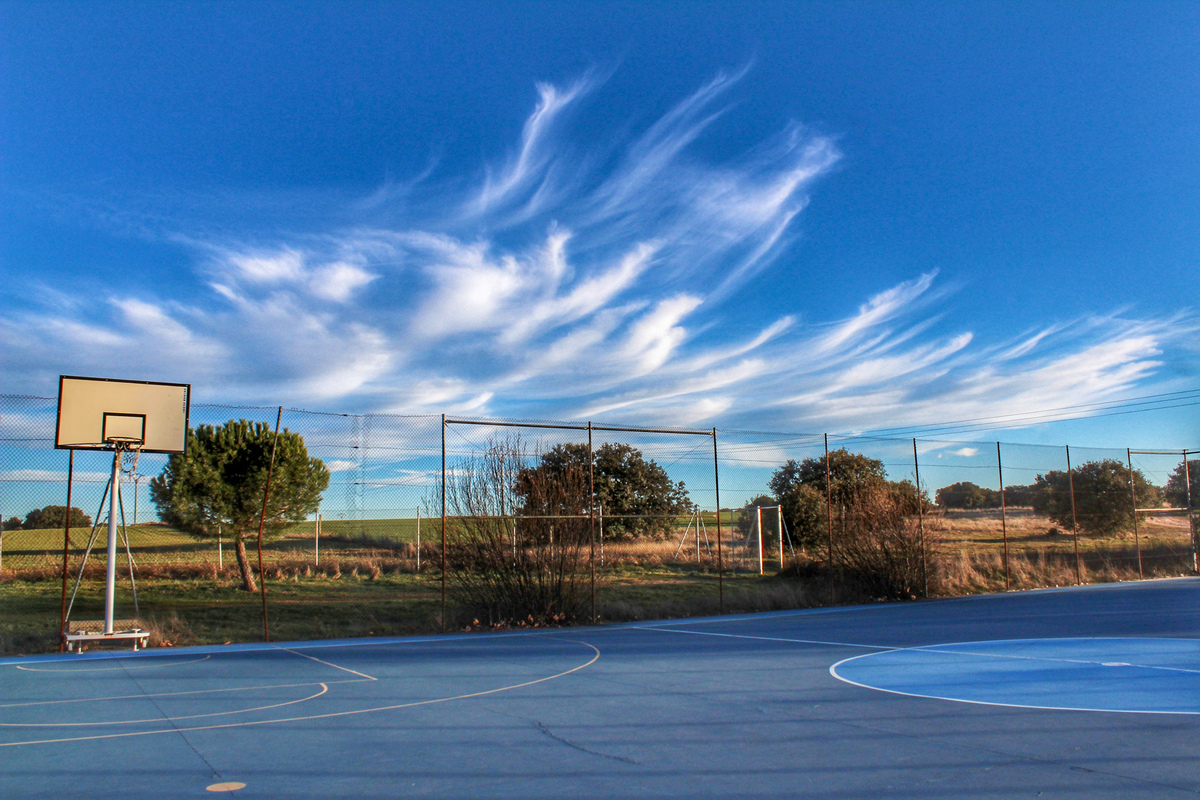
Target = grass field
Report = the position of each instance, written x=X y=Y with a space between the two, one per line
x=365 y=581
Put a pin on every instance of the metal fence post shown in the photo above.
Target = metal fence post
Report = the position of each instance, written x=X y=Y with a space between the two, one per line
x=443 y=523
x=920 y=521
x=1074 y=517
x=1137 y=542
x=1003 y=516
x=829 y=504
x=592 y=519
x=720 y=556
x=262 y=521
x=1187 y=485
x=758 y=525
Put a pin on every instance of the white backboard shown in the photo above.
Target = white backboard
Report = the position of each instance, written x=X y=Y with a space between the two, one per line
x=96 y=413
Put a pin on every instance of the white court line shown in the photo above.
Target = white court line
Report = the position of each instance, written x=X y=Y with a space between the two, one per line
x=324 y=689
x=936 y=650
x=329 y=715
x=833 y=672
x=238 y=649
x=932 y=649
x=766 y=638
x=89 y=670
x=326 y=663
x=171 y=694
x=939 y=648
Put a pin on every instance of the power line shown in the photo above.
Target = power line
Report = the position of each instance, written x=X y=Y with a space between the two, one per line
x=1154 y=402
x=1033 y=420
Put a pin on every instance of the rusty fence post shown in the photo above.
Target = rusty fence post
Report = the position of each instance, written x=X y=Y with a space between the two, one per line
x=1074 y=517
x=1003 y=517
x=1137 y=541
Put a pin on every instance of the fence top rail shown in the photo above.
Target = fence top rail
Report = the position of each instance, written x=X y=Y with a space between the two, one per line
x=569 y=426
x=1163 y=452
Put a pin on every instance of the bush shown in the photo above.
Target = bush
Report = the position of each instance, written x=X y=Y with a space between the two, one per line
x=884 y=549
x=520 y=565
x=804 y=494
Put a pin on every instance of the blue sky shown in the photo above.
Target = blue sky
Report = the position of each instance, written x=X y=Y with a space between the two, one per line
x=780 y=216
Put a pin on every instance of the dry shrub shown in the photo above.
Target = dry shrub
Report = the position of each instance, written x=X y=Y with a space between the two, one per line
x=886 y=552
x=970 y=572
x=168 y=630
x=510 y=565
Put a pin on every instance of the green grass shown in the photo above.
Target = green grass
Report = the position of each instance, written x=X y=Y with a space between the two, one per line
x=338 y=601
x=365 y=585
x=207 y=610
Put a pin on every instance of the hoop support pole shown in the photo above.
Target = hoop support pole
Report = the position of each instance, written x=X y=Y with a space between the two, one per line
x=62 y=633
x=110 y=575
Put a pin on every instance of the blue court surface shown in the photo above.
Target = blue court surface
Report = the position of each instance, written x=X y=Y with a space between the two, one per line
x=1091 y=693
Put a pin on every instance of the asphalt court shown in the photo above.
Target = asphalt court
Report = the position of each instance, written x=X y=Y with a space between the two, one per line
x=1081 y=692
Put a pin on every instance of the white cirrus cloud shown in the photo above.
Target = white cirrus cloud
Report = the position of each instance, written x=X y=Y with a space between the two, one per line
x=578 y=278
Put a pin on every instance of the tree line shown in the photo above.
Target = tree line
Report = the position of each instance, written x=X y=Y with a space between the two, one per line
x=844 y=503
x=1103 y=500
x=48 y=517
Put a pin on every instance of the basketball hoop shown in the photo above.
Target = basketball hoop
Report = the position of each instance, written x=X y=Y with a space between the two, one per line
x=125 y=418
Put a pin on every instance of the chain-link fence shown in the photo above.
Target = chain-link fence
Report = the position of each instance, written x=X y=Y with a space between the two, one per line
x=665 y=522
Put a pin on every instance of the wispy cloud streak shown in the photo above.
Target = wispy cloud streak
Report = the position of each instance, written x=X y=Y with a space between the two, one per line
x=554 y=285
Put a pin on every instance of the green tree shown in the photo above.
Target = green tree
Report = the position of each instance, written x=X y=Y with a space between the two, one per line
x=851 y=475
x=12 y=524
x=216 y=487
x=745 y=521
x=636 y=494
x=55 y=517
x=1176 y=488
x=1018 y=496
x=801 y=489
x=963 y=495
x=908 y=499
x=1103 y=505
x=804 y=514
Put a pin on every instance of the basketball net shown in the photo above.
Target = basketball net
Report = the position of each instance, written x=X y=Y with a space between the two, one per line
x=129 y=461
